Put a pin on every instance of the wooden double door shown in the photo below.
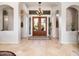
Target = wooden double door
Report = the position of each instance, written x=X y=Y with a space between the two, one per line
x=39 y=26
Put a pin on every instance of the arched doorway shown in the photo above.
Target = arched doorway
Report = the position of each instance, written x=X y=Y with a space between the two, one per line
x=72 y=22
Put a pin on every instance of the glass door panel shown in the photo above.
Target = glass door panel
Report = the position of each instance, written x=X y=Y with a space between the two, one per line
x=43 y=24
x=36 y=21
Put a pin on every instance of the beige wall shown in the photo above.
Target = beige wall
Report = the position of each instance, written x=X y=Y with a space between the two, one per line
x=24 y=18
x=55 y=31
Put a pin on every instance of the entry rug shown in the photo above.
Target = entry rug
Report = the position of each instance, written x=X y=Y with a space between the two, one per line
x=7 y=53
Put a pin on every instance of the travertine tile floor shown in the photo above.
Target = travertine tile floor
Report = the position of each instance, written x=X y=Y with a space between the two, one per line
x=41 y=48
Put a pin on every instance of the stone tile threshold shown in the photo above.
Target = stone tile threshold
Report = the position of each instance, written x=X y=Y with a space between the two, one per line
x=39 y=38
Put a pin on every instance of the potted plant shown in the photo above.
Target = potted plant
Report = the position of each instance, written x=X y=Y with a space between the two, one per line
x=73 y=28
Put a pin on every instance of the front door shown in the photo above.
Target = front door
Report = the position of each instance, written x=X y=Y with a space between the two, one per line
x=39 y=26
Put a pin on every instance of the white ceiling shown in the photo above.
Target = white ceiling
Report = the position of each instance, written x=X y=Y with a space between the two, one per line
x=35 y=4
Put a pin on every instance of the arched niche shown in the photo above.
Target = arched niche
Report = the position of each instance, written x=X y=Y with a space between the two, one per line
x=71 y=19
x=6 y=18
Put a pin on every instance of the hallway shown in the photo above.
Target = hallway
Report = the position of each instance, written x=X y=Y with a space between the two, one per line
x=41 y=48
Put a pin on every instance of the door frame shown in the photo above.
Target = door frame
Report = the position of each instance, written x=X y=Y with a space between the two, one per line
x=38 y=17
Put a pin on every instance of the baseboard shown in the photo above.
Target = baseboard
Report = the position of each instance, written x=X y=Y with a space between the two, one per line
x=9 y=42
x=53 y=37
x=24 y=37
x=69 y=42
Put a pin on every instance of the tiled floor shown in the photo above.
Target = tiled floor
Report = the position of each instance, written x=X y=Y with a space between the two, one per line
x=41 y=48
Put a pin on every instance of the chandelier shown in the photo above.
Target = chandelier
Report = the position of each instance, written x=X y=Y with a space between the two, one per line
x=39 y=11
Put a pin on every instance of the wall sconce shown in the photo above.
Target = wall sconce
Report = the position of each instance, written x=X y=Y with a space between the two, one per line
x=57 y=13
x=22 y=12
x=6 y=18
